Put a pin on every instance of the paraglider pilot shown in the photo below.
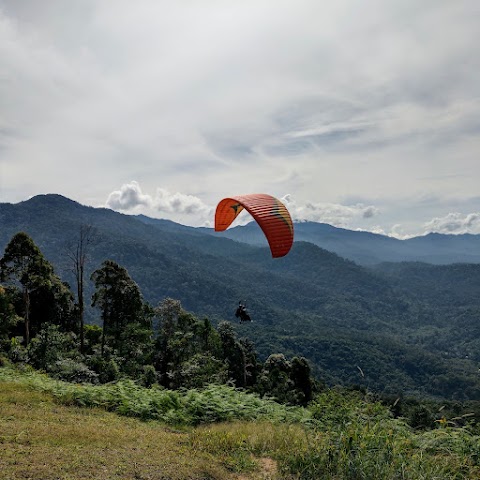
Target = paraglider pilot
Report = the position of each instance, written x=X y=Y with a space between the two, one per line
x=242 y=313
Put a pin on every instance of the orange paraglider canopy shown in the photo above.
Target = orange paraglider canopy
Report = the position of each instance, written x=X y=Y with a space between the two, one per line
x=269 y=212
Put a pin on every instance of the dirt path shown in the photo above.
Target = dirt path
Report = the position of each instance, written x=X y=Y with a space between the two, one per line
x=268 y=470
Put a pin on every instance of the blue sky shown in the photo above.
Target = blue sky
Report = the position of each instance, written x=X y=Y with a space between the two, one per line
x=364 y=115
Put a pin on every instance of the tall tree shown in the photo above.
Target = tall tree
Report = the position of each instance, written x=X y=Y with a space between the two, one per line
x=126 y=318
x=301 y=376
x=233 y=354
x=186 y=348
x=78 y=253
x=24 y=265
x=167 y=313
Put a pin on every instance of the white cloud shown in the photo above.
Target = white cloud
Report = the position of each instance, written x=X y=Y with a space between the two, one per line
x=129 y=197
x=192 y=210
x=181 y=207
x=454 y=223
x=331 y=213
x=167 y=202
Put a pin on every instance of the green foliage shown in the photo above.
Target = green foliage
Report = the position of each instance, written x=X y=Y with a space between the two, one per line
x=48 y=347
x=127 y=327
x=365 y=442
x=286 y=381
x=93 y=337
x=149 y=376
x=344 y=435
x=214 y=403
x=302 y=380
x=105 y=366
x=17 y=352
x=234 y=354
x=45 y=299
x=188 y=350
x=8 y=317
x=200 y=370
x=73 y=371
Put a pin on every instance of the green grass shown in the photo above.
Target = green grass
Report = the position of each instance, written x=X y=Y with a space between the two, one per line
x=40 y=439
x=215 y=433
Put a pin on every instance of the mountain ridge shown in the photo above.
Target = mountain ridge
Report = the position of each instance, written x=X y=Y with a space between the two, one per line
x=368 y=248
x=363 y=247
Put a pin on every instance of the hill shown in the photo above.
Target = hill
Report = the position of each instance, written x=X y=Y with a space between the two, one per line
x=368 y=248
x=354 y=324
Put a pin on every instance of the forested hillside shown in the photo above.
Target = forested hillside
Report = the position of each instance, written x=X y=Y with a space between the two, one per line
x=383 y=328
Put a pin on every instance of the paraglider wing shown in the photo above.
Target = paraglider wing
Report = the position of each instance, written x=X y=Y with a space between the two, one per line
x=269 y=212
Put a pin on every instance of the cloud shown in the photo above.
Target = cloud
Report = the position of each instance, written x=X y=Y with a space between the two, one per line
x=167 y=202
x=454 y=223
x=179 y=206
x=192 y=210
x=129 y=197
x=369 y=212
x=331 y=213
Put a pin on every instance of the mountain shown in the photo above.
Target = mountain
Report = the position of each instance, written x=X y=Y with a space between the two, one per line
x=344 y=317
x=368 y=248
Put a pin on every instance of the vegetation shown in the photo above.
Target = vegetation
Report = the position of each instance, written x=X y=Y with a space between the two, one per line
x=165 y=366
x=341 y=435
x=41 y=439
x=180 y=352
x=409 y=333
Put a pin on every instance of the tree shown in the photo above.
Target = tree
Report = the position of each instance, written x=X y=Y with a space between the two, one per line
x=286 y=381
x=187 y=350
x=275 y=379
x=24 y=265
x=126 y=318
x=252 y=365
x=233 y=354
x=8 y=317
x=301 y=376
x=168 y=313
x=49 y=346
x=52 y=303
x=78 y=254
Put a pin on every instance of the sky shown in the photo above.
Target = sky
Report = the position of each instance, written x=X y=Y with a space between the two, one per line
x=360 y=114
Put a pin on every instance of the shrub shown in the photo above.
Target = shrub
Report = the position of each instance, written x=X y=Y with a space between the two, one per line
x=72 y=371
x=149 y=376
x=17 y=353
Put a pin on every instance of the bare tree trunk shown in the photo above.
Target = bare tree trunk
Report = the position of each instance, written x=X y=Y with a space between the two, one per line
x=26 y=299
x=81 y=310
x=104 y=328
x=78 y=255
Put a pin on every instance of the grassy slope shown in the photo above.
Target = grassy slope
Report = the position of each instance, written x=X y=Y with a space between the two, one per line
x=41 y=439
x=348 y=438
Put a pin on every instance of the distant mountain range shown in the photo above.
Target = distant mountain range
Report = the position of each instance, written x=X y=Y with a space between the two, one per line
x=410 y=327
x=368 y=248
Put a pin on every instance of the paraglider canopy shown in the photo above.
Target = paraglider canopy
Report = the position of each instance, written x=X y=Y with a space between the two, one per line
x=270 y=213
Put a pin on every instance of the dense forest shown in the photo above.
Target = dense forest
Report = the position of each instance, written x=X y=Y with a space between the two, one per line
x=403 y=329
x=41 y=324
